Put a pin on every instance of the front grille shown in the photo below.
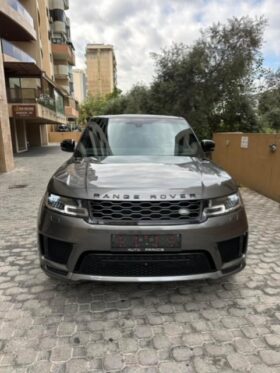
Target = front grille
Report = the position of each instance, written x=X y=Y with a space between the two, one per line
x=144 y=212
x=144 y=265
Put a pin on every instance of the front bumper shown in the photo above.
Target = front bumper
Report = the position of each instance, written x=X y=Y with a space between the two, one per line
x=210 y=237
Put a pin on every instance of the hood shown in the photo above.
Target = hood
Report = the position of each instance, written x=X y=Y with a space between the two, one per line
x=172 y=177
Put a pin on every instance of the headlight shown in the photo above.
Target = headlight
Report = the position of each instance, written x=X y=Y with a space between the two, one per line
x=66 y=206
x=219 y=206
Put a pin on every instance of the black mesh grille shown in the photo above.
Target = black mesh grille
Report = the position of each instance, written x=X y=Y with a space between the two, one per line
x=57 y=251
x=231 y=249
x=141 y=265
x=141 y=212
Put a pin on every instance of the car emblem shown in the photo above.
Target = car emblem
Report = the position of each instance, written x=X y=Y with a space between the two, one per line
x=184 y=211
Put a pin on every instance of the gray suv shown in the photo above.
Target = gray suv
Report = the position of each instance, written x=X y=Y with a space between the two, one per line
x=140 y=201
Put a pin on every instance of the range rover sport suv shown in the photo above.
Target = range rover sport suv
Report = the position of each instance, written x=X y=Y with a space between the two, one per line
x=140 y=201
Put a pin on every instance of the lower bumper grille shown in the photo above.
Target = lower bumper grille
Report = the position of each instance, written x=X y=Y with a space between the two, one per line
x=233 y=249
x=54 y=250
x=144 y=265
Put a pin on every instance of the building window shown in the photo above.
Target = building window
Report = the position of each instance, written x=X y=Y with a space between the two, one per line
x=59 y=102
x=24 y=89
x=58 y=15
x=58 y=40
x=34 y=83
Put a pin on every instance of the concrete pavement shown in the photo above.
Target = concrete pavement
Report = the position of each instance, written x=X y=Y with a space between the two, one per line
x=231 y=325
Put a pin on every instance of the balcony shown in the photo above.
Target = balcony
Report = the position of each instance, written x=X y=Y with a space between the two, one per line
x=16 y=54
x=63 y=52
x=45 y=107
x=59 y=4
x=61 y=71
x=16 y=23
x=17 y=6
x=30 y=95
x=72 y=109
x=65 y=88
x=71 y=113
x=59 y=27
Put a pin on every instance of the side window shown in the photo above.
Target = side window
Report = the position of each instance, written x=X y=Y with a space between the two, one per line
x=94 y=141
x=186 y=143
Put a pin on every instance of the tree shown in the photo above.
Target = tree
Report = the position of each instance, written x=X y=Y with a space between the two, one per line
x=92 y=106
x=115 y=105
x=269 y=103
x=212 y=81
x=135 y=101
x=138 y=100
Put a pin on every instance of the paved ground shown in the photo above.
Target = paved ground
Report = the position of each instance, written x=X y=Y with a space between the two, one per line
x=46 y=326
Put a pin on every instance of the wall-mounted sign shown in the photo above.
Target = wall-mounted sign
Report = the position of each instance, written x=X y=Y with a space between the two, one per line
x=24 y=111
x=244 y=142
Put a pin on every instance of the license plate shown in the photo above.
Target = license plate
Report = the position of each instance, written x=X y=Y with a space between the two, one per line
x=149 y=242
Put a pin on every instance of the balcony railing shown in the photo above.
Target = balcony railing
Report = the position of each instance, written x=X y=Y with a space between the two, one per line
x=13 y=51
x=63 y=51
x=30 y=95
x=16 y=5
x=60 y=40
x=62 y=70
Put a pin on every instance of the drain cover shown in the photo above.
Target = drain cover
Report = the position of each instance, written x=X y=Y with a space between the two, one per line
x=18 y=186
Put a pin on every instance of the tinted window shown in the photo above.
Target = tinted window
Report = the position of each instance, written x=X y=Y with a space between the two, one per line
x=138 y=136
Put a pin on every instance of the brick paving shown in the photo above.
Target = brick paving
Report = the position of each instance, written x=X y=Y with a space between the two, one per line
x=230 y=325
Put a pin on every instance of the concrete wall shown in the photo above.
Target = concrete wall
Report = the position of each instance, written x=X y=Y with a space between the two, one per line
x=57 y=137
x=250 y=160
x=6 y=150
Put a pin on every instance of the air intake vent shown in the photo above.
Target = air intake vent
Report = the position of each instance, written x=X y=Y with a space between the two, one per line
x=56 y=251
x=232 y=249
x=141 y=265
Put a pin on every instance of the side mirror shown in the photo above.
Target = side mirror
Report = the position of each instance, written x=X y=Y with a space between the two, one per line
x=67 y=146
x=208 y=145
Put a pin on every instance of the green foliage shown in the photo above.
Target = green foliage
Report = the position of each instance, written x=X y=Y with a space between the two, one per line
x=138 y=100
x=135 y=101
x=210 y=83
x=91 y=107
x=269 y=103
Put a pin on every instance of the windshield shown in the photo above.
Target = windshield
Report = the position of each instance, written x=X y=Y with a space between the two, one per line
x=125 y=136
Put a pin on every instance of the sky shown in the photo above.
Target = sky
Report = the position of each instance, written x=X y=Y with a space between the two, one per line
x=138 y=28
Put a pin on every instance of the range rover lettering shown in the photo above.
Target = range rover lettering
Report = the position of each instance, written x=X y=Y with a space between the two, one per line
x=139 y=200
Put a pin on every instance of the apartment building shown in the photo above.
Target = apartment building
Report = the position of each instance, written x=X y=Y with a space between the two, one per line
x=80 y=85
x=30 y=99
x=101 y=69
x=63 y=55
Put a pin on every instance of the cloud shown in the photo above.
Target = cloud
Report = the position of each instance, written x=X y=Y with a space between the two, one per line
x=137 y=28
